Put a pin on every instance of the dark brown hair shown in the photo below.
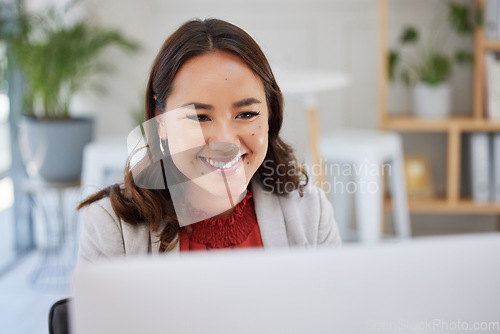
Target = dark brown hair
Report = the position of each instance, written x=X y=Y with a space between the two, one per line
x=137 y=205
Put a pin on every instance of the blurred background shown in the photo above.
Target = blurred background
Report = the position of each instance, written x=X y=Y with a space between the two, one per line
x=302 y=39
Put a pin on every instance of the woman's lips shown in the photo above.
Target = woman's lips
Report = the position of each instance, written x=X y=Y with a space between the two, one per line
x=227 y=165
x=223 y=163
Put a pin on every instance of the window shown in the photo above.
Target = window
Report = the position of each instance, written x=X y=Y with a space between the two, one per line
x=7 y=235
x=16 y=227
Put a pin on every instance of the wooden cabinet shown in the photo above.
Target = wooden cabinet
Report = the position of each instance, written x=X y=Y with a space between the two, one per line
x=453 y=127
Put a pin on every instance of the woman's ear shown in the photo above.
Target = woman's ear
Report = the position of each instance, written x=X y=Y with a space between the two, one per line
x=162 y=129
x=157 y=111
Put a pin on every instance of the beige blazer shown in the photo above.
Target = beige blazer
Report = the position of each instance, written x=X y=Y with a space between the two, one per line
x=284 y=221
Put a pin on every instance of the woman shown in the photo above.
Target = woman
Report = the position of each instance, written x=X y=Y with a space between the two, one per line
x=216 y=173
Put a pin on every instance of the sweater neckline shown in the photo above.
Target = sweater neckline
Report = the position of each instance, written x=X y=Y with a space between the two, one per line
x=226 y=231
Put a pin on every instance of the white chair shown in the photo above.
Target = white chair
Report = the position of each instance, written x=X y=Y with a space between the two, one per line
x=367 y=152
x=357 y=147
x=103 y=163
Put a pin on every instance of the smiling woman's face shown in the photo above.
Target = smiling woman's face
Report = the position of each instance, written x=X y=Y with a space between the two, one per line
x=221 y=143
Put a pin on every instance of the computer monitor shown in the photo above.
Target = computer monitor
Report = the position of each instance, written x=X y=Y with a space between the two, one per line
x=438 y=284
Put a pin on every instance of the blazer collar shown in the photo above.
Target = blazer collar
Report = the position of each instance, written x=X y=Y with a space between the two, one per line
x=269 y=217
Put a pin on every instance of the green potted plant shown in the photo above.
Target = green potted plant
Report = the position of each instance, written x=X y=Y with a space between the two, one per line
x=427 y=68
x=56 y=59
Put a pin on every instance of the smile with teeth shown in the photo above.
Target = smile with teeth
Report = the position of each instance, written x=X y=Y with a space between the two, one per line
x=222 y=165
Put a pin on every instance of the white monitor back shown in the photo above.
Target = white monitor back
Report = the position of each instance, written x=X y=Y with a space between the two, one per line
x=433 y=284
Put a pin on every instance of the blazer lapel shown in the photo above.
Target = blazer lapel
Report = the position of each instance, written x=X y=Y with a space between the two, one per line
x=269 y=217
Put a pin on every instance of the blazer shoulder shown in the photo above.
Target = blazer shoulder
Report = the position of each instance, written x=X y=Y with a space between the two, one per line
x=105 y=235
x=309 y=218
x=308 y=204
x=101 y=214
x=101 y=234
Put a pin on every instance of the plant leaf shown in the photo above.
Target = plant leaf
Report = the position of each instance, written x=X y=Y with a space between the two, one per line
x=56 y=58
x=464 y=57
x=393 y=62
x=435 y=69
x=409 y=35
x=459 y=18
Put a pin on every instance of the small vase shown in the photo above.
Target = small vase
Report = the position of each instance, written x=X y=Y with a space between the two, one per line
x=431 y=101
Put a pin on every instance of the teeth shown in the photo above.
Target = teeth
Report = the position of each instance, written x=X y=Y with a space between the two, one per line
x=219 y=164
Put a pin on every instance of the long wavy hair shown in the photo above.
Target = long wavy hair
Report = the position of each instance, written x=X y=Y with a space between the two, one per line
x=136 y=205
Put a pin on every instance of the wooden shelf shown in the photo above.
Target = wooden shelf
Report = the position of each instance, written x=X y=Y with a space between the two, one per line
x=412 y=123
x=492 y=45
x=479 y=125
x=442 y=206
x=461 y=123
x=453 y=127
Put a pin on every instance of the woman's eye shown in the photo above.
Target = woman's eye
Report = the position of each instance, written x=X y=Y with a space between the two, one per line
x=248 y=114
x=199 y=118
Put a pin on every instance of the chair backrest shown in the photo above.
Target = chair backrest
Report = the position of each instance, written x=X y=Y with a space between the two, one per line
x=58 y=317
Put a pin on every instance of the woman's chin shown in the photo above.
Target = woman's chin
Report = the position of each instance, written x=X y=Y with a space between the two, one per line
x=220 y=189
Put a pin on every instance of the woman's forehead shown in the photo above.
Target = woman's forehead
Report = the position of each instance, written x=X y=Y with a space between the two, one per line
x=216 y=70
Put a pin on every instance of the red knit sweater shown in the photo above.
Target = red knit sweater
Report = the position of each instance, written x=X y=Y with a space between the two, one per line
x=238 y=231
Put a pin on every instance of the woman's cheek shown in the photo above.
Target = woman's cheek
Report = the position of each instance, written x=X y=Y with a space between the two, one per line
x=258 y=137
x=183 y=139
x=259 y=146
x=262 y=142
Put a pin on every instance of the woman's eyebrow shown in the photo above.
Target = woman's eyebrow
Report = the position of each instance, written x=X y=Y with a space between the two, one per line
x=239 y=104
x=198 y=105
x=246 y=102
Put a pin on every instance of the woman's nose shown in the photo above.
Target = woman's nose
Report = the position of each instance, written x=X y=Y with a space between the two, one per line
x=223 y=132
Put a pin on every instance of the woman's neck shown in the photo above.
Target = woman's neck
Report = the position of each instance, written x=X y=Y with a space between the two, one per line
x=213 y=206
